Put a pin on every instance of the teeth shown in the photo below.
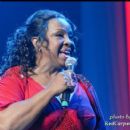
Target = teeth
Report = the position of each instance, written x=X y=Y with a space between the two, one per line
x=66 y=52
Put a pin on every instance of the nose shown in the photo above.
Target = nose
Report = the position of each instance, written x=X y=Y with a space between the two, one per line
x=69 y=43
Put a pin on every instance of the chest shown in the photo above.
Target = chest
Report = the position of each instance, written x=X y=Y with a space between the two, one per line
x=79 y=102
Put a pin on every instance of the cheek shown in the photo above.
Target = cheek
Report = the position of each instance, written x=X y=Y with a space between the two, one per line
x=55 y=47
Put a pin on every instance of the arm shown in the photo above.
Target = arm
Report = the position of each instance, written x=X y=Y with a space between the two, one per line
x=90 y=91
x=22 y=114
x=100 y=119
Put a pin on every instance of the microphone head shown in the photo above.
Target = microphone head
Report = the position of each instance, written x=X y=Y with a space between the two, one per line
x=70 y=61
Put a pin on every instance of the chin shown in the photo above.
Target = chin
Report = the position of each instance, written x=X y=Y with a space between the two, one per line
x=62 y=64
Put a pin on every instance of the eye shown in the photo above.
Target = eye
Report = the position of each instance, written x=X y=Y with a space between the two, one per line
x=59 y=35
x=71 y=36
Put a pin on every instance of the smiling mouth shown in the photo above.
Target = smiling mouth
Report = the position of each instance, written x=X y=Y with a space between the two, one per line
x=66 y=53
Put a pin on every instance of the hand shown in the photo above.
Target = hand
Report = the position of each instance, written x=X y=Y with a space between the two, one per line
x=70 y=78
x=62 y=81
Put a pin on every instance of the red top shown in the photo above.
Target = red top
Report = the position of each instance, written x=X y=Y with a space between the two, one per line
x=79 y=115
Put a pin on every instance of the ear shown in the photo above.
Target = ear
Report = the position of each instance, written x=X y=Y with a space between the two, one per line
x=35 y=41
x=37 y=44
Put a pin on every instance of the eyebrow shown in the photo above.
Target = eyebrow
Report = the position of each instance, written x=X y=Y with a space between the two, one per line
x=63 y=30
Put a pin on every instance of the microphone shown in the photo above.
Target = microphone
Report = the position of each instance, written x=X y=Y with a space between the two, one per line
x=69 y=63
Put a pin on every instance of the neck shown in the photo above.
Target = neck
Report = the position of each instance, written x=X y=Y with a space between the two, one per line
x=47 y=69
x=44 y=74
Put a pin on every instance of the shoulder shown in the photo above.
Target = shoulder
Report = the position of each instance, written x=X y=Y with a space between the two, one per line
x=13 y=77
x=12 y=88
x=13 y=72
x=87 y=86
x=83 y=80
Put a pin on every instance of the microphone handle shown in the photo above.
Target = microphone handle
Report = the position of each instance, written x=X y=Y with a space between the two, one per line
x=65 y=98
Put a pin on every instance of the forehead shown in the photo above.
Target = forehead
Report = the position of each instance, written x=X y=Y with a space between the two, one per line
x=59 y=24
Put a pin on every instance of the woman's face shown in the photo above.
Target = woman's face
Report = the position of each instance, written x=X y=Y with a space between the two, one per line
x=60 y=44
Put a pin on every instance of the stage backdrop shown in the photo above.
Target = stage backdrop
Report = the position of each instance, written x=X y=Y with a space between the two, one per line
x=103 y=48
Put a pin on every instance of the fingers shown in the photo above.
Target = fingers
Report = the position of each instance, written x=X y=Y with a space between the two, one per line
x=69 y=78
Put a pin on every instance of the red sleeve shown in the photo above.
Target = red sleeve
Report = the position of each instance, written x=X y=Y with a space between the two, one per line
x=11 y=90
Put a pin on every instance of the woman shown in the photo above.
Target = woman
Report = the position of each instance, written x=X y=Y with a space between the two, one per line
x=33 y=78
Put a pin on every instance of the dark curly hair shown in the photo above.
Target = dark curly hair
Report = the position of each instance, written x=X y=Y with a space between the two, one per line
x=20 y=50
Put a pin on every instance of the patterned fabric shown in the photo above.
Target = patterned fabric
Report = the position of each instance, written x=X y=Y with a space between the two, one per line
x=68 y=121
